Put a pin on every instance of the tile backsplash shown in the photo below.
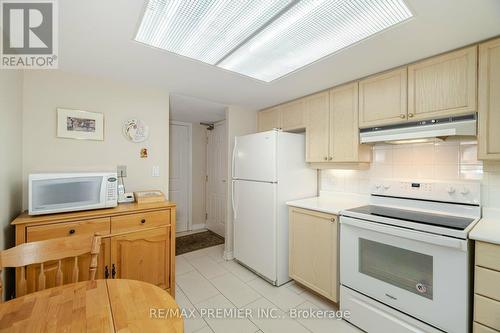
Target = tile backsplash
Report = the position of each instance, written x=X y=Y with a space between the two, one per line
x=454 y=160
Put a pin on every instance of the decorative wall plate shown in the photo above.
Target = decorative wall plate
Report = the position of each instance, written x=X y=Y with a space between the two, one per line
x=136 y=130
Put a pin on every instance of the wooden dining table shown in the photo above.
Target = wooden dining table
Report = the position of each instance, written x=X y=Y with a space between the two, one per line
x=94 y=306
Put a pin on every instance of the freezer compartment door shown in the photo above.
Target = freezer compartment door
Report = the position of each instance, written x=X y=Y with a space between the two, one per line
x=254 y=157
x=255 y=226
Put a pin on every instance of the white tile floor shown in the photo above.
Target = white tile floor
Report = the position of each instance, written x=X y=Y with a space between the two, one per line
x=206 y=281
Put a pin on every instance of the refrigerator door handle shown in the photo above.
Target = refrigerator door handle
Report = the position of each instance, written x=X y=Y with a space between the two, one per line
x=233 y=202
x=233 y=163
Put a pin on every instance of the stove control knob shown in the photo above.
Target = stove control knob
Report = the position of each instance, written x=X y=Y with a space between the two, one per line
x=465 y=191
x=451 y=190
x=378 y=186
x=386 y=187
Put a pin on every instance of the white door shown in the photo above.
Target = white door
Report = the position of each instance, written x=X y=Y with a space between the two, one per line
x=255 y=241
x=180 y=172
x=254 y=157
x=217 y=179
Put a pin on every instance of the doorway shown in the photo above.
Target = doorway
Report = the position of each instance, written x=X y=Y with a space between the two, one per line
x=216 y=187
x=180 y=172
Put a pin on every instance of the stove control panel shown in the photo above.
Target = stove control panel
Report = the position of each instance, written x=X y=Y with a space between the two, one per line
x=457 y=192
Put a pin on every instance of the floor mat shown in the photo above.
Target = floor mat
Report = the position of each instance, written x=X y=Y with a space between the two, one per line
x=197 y=241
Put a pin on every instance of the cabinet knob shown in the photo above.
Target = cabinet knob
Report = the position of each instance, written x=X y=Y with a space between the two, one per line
x=325 y=158
x=333 y=219
x=106 y=272
x=143 y=221
x=72 y=231
x=402 y=116
x=330 y=158
x=410 y=115
x=113 y=271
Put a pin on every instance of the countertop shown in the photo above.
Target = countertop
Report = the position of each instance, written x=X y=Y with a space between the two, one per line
x=488 y=228
x=331 y=202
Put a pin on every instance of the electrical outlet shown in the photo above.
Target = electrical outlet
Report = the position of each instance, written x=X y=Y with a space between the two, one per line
x=156 y=171
x=122 y=171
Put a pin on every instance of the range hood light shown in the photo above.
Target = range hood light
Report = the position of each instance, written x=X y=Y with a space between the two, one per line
x=410 y=141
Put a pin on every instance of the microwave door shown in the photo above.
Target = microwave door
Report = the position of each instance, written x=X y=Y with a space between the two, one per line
x=66 y=194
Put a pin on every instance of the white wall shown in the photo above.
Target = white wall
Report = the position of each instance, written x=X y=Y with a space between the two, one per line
x=453 y=160
x=10 y=156
x=45 y=91
x=199 y=140
x=239 y=121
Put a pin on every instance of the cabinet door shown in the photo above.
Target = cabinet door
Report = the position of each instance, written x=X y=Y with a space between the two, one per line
x=318 y=128
x=313 y=251
x=293 y=115
x=269 y=119
x=143 y=255
x=489 y=100
x=443 y=86
x=344 y=132
x=56 y=230
x=383 y=98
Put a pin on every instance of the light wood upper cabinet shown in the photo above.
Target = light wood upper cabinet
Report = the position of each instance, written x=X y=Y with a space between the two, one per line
x=269 y=119
x=344 y=132
x=444 y=85
x=318 y=127
x=142 y=255
x=383 y=98
x=293 y=115
x=489 y=100
x=313 y=251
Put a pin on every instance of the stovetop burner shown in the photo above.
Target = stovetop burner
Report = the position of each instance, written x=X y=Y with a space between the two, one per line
x=439 y=220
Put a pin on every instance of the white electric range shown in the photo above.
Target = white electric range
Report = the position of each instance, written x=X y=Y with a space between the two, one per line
x=405 y=259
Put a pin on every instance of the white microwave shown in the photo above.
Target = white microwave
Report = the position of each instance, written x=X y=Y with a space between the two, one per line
x=68 y=192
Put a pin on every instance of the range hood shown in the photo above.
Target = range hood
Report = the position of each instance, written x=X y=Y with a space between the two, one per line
x=420 y=131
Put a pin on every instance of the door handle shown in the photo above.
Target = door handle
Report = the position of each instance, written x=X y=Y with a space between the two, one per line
x=234 y=158
x=106 y=272
x=113 y=271
x=233 y=202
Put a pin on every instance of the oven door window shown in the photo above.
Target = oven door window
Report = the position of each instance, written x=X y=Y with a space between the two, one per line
x=411 y=271
x=64 y=193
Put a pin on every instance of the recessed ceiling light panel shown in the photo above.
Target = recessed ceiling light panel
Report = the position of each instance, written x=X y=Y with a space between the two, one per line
x=206 y=30
x=265 y=39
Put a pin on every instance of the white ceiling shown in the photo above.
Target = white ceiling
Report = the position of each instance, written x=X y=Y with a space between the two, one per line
x=194 y=110
x=96 y=37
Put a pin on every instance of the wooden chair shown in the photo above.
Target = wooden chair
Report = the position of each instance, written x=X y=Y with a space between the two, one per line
x=50 y=250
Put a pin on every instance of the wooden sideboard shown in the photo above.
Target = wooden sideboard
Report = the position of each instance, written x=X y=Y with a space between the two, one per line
x=138 y=243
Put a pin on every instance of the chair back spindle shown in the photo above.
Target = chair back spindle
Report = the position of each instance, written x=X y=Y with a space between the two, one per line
x=41 y=252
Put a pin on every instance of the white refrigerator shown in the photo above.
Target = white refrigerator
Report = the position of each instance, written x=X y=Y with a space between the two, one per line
x=269 y=169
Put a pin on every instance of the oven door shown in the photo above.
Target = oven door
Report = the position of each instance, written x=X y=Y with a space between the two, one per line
x=423 y=275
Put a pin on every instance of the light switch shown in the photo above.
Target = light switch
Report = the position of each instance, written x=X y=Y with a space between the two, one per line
x=156 y=171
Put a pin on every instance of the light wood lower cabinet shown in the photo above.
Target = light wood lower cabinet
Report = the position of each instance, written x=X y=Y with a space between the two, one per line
x=142 y=255
x=487 y=288
x=489 y=100
x=138 y=243
x=313 y=251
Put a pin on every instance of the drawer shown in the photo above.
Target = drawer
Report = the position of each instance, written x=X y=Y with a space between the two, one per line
x=488 y=255
x=56 y=230
x=487 y=283
x=487 y=312
x=139 y=221
x=478 y=328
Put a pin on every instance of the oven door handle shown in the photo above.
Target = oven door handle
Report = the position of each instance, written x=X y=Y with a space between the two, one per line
x=418 y=236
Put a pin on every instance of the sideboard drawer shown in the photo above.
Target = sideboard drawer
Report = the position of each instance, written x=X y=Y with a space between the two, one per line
x=486 y=312
x=56 y=230
x=488 y=255
x=140 y=221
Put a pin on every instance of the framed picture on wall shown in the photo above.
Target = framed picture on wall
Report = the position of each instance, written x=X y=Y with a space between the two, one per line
x=77 y=124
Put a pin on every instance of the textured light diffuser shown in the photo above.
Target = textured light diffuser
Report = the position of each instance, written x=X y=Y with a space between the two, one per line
x=264 y=39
